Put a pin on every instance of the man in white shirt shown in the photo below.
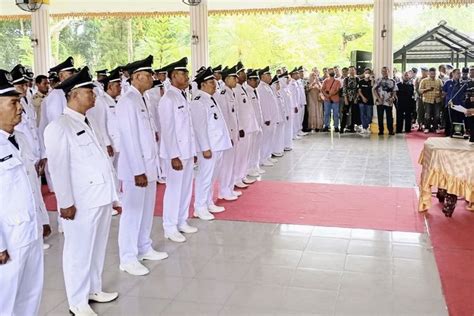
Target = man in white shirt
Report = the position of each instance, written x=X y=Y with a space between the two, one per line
x=22 y=213
x=85 y=190
x=138 y=167
x=283 y=78
x=178 y=151
x=248 y=128
x=212 y=139
x=278 y=142
x=226 y=100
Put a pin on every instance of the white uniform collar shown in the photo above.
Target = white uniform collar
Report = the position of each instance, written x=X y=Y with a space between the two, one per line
x=75 y=115
x=5 y=133
x=173 y=88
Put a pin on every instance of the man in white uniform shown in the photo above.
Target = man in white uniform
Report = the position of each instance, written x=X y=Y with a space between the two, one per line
x=302 y=100
x=248 y=128
x=21 y=216
x=85 y=190
x=295 y=91
x=289 y=109
x=52 y=107
x=212 y=139
x=218 y=74
x=178 y=151
x=278 y=142
x=226 y=100
x=268 y=102
x=138 y=166
x=254 y=154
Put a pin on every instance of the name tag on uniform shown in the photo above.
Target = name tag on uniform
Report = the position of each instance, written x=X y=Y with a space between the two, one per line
x=112 y=106
x=215 y=116
x=212 y=106
x=142 y=110
x=80 y=133
x=6 y=158
x=181 y=106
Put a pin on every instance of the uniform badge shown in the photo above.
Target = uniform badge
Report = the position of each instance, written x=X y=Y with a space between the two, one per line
x=10 y=156
x=215 y=116
x=197 y=98
x=80 y=133
x=223 y=91
x=181 y=106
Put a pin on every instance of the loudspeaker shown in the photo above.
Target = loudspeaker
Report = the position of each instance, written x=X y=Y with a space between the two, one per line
x=361 y=65
x=360 y=55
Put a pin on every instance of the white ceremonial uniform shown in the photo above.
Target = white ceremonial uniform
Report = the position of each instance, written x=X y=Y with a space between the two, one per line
x=302 y=102
x=254 y=155
x=288 y=100
x=125 y=85
x=177 y=141
x=153 y=97
x=138 y=156
x=278 y=142
x=167 y=84
x=247 y=123
x=22 y=216
x=52 y=107
x=226 y=101
x=97 y=115
x=83 y=177
x=212 y=134
x=295 y=92
x=28 y=127
x=111 y=123
x=268 y=102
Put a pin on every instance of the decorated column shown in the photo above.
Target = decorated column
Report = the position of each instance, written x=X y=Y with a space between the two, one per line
x=41 y=39
x=383 y=35
x=199 y=36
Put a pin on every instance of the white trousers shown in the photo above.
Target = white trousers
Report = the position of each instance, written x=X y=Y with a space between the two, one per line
x=254 y=160
x=206 y=175
x=226 y=174
x=288 y=133
x=278 y=143
x=267 y=138
x=21 y=280
x=136 y=221
x=85 y=242
x=296 y=122
x=178 y=192
x=242 y=152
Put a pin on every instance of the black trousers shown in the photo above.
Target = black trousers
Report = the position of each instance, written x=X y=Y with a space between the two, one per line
x=469 y=122
x=381 y=109
x=352 y=110
x=404 y=113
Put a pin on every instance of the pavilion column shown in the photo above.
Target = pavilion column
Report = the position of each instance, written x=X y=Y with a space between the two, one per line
x=199 y=36
x=383 y=35
x=41 y=39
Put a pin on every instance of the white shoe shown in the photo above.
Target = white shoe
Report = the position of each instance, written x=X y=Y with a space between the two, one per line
x=187 y=229
x=301 y=133
x=103 y=297
x=161 y=181
x=46 y=246
x=426 y=131
x=253 y=173
x=203 y=214
x=278 y=155
x=241 y=185
x=228 y=198
x=297 y=137
x=288 y=149
x=134 y=268
x=273 y=160
x=267 y=164
x=85 y=310
x=175 y=236
x=237 y=193
x=248 y=181
x=216 y=209
x=114 y=212
x=261 y=171
x=153 y=255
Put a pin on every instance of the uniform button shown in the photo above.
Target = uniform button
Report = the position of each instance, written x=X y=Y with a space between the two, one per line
x=91 y=182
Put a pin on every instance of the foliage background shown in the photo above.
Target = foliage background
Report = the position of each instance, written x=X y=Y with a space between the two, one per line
x=309 y=39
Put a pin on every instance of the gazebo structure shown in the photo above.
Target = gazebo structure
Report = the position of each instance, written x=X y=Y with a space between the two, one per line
x=382 y=31
x=441 y=44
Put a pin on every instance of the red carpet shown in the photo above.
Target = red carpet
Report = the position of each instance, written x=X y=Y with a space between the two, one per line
x=453 y=245
x=318 y=204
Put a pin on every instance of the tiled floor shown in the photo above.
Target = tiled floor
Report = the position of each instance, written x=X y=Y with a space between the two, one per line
x=244 y=268
x=347 y=159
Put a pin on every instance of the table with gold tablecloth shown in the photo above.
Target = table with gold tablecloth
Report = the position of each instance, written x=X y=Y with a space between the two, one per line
x=448 y=164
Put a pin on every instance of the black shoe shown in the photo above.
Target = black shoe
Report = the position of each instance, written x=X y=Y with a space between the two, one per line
x=336 y=130
x=391 y=133
x=325 y=129
x=380 y=133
